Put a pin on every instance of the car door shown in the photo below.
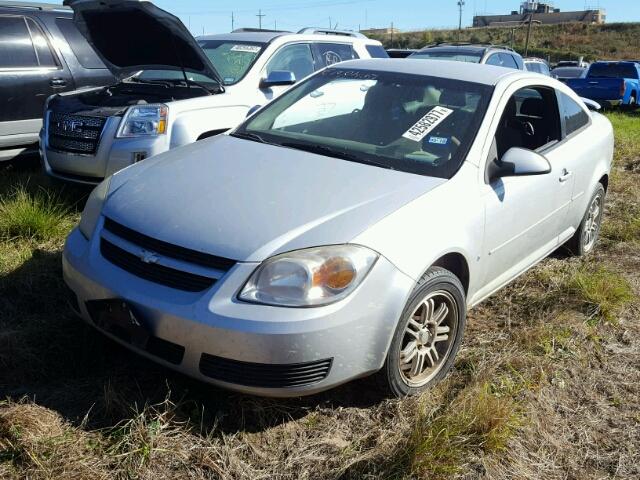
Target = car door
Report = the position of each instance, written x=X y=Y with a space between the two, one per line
x=29 y=73
x=523 y=215
x=574 y=155
x=296 y=58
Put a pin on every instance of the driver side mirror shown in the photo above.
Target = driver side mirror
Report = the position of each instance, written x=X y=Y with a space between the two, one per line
x=278 y=78
x=519 y=162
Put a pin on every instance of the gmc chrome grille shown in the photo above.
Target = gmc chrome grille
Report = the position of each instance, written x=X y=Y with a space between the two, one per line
x=74 y=133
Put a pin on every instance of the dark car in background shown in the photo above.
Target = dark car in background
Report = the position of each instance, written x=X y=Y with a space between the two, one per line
x=400 y=52
x=41 y=53
x=497 y=55
x=565 y=73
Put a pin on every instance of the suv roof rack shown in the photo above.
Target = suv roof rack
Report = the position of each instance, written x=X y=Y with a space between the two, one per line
x=257 y=30
x=330 y=31
x=467 y=44
x=34 y=5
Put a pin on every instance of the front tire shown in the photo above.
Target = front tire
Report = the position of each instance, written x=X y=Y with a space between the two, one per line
x=584 y=240
x=428 y=335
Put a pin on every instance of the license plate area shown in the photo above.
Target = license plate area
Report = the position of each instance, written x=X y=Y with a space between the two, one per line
x=116 y=317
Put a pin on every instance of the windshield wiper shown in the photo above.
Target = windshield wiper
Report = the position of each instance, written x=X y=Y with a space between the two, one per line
x=331 y=152
x=254 y=137
x=164 y=83
x=217 y=89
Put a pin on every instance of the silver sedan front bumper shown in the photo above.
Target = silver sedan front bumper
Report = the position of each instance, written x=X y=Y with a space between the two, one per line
x=248 y=342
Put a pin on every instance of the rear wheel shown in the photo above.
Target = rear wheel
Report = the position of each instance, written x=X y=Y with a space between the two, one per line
x=584 y=240
x=428 y=334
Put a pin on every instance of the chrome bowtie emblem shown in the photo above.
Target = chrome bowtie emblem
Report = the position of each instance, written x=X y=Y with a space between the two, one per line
x=148 y=257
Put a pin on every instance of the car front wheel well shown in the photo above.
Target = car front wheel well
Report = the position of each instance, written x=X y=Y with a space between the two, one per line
x=605 y=182
x=456 y=264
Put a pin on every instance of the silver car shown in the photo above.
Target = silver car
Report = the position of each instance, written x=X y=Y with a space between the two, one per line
x=343 y=229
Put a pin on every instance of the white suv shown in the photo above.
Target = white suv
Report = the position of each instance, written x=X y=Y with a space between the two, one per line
x=174 y=89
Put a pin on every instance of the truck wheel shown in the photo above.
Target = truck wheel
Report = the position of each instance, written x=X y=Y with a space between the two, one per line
x=584 y=240
x=428 y=335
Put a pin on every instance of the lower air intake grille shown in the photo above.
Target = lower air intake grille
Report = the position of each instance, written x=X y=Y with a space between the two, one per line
x=153 y=272
x=264 y=375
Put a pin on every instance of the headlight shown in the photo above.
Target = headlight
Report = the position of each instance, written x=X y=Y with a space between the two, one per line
x=144 y=121
x=92 y=209
x=309 y=278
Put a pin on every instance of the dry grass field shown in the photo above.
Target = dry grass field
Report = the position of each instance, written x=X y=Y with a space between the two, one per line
x=547 y=384
x=612 y=41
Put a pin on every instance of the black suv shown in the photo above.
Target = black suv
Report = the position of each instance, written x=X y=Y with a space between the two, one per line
x=41 y=53
x=498 y=55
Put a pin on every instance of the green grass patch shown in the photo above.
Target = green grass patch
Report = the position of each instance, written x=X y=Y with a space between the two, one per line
x=34 y=216
x=602 y=291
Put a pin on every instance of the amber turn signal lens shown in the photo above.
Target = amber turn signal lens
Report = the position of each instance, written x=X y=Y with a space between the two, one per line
x=336 y=273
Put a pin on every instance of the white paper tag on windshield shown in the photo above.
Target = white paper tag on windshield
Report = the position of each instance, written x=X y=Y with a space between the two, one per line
x=245 y=48
x=427 y=123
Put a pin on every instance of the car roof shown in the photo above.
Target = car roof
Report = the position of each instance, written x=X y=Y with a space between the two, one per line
x=468 y=72
x=262 y=37
x=35 y=7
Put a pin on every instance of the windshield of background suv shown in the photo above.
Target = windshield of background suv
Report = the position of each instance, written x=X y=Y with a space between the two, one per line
x=412 y=123
x=456 y=55
x=613 y=70
x=232 y=60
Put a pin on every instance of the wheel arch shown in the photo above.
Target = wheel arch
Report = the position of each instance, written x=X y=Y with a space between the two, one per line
x=457 y=264
x=604 y=180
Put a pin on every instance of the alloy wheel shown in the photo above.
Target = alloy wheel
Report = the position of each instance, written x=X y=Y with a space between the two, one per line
x=592 y=223
x=428 y=338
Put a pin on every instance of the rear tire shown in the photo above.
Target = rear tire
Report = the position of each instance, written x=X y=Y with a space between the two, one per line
x=428 y=335
x=586 y=237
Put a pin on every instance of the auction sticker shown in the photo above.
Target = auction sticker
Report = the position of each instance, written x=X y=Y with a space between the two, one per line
x=245 y=48
x=427 y=123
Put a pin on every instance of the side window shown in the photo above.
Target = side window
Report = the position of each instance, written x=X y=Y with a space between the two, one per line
x=331 y=53
x=544 y=69
x=573 y=115
x=78 y=44
x=530 y=120
x=494 y=60
x=16 y=49
x=40 y=43
x=295 y=58
x=377 y=51
x=508 y=61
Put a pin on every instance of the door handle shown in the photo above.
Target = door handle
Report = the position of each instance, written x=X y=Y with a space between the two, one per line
x=566 y=175
x=58 y=82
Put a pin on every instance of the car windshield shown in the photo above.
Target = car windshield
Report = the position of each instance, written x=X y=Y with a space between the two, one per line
x=412 y=123
x=613 y=70
x=456 y=55
x=231 y=59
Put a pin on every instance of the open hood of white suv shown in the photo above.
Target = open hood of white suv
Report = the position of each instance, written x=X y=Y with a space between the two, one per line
x=134 y=35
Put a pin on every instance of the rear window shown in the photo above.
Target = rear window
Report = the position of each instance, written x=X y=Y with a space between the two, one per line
x=613 y=70
x=78 y=44
x=455 y=55
x=377 y=51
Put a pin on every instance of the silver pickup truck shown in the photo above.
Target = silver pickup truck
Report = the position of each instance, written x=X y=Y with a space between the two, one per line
x=173 y=89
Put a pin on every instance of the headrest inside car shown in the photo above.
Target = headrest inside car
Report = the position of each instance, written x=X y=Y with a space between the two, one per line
x=532 y=107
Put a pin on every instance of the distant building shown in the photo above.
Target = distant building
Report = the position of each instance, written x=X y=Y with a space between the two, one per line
x=543 y=12
x=380 y=31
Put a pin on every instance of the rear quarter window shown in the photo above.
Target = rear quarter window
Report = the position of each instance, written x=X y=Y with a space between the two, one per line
x=573 y=115
x=377 y=51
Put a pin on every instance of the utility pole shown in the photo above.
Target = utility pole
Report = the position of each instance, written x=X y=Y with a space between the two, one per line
x=260 y=15
x=526 y=46
x=330 y=23
x=233 y=22
x=392 y=34
x=460 y=7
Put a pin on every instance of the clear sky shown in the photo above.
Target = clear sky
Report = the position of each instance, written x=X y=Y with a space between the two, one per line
x=211 y=16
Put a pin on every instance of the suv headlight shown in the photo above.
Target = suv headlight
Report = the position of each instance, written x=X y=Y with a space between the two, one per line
x=93 y=208
x=310 y=277
x=144 y=121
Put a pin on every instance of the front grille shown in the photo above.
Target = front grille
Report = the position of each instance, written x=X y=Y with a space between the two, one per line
x=169 y=277
x=264 y=375
x=168 y=249
x=74 y=133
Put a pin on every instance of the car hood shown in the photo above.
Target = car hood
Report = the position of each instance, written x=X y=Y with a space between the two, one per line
x=247 y=201
x=134 y=35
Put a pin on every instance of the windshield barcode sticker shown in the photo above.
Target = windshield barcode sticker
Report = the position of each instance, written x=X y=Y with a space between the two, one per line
x=427 y=123
x=245 y=48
